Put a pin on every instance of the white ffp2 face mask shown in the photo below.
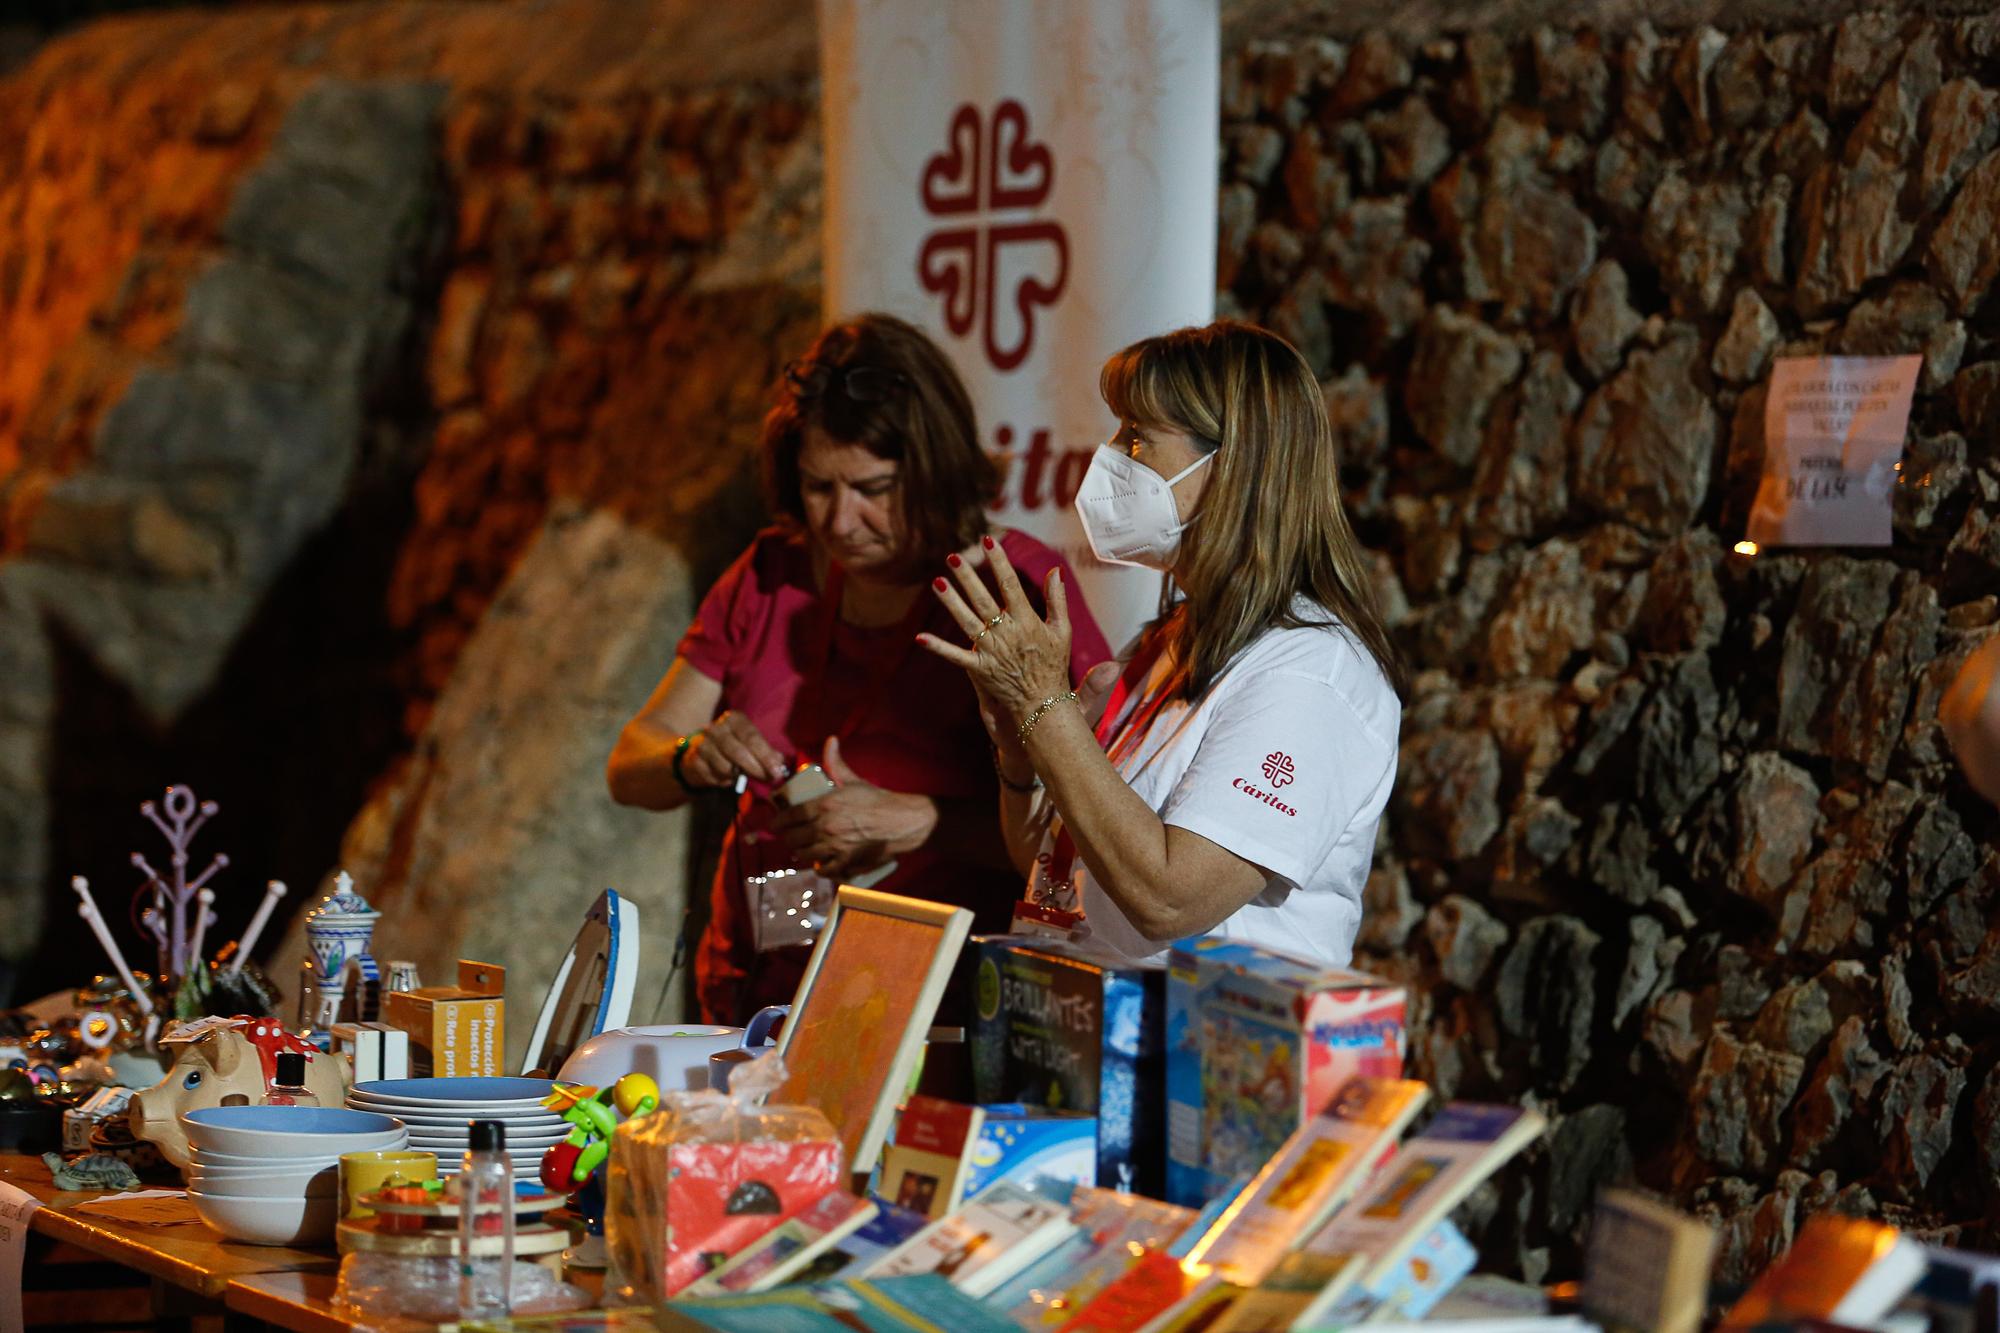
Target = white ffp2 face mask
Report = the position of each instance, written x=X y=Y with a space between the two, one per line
x=1128 y=510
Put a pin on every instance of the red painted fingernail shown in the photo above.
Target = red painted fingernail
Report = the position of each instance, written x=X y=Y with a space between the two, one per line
x=939 y=583
x=988 y=541
x=953 y=561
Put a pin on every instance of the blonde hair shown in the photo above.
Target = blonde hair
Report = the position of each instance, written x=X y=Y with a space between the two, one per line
x=1270 y=527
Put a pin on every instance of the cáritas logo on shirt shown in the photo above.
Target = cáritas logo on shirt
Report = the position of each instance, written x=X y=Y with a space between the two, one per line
x=1279 y=771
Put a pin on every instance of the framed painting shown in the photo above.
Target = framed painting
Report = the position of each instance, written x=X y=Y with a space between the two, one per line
x=862 y=1011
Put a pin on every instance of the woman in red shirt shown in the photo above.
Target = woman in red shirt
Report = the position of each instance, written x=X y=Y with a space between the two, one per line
x=804 y=652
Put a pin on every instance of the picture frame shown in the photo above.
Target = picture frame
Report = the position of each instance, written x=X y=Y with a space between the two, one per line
x=863 y=1009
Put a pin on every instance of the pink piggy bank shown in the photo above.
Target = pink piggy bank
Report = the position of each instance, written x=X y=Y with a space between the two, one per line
x=225 y=1062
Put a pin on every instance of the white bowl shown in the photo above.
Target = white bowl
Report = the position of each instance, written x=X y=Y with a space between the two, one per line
x=290 y=1131
x=277 y=1166
x=319 y=1183
x=283 y=1221
x=238 y=1161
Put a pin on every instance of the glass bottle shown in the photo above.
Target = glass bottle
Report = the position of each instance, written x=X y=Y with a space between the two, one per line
x=288 y=1087
x=486 y=1210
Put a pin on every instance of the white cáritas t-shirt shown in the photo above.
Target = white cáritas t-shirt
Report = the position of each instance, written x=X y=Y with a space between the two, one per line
x=1287 y=762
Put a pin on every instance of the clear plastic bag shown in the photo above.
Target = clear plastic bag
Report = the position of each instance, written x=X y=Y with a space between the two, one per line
x=706 y=1175
x=384 y=1287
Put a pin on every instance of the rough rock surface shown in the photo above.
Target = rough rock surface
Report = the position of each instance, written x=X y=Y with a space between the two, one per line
x=463 y=866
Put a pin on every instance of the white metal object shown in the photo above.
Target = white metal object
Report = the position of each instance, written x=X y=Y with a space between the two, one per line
x=593 y=989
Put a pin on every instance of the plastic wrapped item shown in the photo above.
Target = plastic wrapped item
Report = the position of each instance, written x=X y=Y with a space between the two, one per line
x=706 y=1175
x=388 y=1286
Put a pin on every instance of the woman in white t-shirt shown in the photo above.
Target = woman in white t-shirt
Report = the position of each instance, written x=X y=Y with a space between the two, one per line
x=1232 y=781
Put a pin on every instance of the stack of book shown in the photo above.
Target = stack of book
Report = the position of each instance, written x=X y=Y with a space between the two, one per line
x=1347 y=1224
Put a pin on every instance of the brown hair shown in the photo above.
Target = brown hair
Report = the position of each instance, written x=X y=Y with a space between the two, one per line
x=924 y=423
x=1270 y=526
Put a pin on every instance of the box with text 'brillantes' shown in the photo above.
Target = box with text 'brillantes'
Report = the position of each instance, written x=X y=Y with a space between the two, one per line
x=1056 y=1027
x=1256 y=1043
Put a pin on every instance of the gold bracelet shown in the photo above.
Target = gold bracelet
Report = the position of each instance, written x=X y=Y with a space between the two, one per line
x=1041 y=708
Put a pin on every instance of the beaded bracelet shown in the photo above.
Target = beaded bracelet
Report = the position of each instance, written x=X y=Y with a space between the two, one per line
x=680 y=754
x=1040 y=710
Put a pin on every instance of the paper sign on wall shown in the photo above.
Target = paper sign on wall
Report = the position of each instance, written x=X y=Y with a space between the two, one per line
x=1833 y=439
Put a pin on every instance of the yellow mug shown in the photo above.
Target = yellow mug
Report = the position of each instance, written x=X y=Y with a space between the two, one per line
x=366 y=1172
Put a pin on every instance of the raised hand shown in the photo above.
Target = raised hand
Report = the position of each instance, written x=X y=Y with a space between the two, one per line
x=1016 y=659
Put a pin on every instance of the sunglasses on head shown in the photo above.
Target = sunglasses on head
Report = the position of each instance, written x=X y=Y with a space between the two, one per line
x=860 y=384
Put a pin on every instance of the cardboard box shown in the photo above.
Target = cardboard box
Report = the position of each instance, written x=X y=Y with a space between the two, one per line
x=1027 y=1143
x=1256 y=1043
x=1057 y=1027
x=455 y=1031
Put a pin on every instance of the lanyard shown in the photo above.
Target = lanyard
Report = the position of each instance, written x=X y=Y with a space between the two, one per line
x=1118 y=742
x=879 y=673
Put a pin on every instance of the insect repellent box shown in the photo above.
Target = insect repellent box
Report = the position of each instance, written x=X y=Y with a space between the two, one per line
x=454 y=1030
x=1055 y=1027
x=1256 y=1043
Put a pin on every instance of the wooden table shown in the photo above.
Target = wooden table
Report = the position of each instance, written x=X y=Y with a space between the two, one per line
x=195 y=1272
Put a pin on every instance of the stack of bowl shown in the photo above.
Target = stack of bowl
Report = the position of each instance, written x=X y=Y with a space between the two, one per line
x=270 y=1175
x=440 y=1112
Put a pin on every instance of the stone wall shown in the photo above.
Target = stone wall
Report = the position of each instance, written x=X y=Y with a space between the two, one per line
x=1677 y=853
x=545 y=369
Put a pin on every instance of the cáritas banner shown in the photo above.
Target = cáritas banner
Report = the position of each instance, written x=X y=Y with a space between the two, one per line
x=1033 y=183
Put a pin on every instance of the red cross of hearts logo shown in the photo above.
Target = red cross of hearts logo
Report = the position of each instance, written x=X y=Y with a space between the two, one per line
x=1278 y=768
x=992 y=263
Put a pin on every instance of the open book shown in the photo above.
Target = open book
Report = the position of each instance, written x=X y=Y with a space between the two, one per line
x=1317 y=1169
x=1404 y=1202
x=1840 y=1270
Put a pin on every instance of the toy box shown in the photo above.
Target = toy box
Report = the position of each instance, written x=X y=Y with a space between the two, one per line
x=1025 y=1144
x=1256 y=1043
x=1054 y=1026
x=454 y=1030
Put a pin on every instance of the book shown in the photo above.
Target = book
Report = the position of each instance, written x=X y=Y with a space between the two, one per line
x=1060 y=1025
x=1316 y=1170
x=1410 y=1291
x=1028 y=1144
x=920 y=1304
x=1404 y=1202
x=984 y=1243
x=925 y=1169
x=1111 y=1226
x=1152 y=1283
x=1842 y=1270
x=1213 y=1305
x=786 y=1250
x=1647 y=1265
x=1427 y=1274
x=855 y=1252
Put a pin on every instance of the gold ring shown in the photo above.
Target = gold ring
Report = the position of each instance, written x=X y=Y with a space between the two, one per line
x=996 y=620
x=982 y=634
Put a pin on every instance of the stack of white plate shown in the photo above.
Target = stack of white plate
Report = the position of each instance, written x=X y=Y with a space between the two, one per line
x=440 y=1112
x=270 y=1175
